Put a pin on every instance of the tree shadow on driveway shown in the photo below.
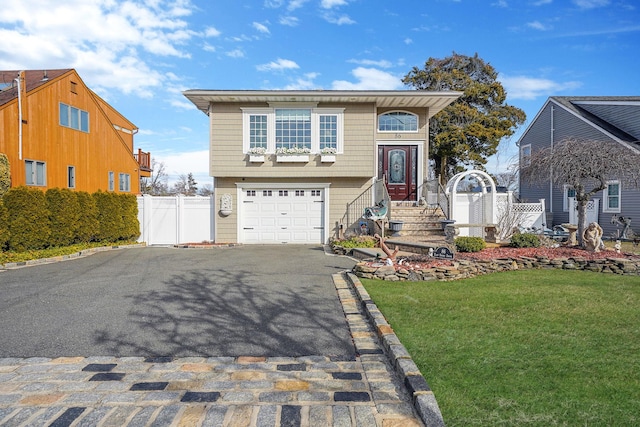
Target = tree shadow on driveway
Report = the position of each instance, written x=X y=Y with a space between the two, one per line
x=231 y=313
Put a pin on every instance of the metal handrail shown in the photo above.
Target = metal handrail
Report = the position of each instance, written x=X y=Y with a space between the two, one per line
x=434 y=195
x=375 y=193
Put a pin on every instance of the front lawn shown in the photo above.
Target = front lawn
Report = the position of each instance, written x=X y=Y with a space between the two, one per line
x=533 y=347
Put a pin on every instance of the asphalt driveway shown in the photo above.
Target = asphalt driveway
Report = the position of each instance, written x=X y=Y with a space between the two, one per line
x=156 y=301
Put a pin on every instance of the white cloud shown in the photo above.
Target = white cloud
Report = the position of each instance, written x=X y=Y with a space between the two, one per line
x=304 y=83
x=537 y=25
x=183 y=163
x=329 y=4
x=369 y=79
x=290 y=21
x=369 y=62
x=236 y=53
x=338 y=20
x=296 y=4
x=523 y=87
x=408 y=41
x=591 y=4
x=72 y=34
x=211 y=32
x=278 y=65
x=542 y=2
x=261 y=28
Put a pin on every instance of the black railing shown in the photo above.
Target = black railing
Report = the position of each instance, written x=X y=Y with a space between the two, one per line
x=376 y=193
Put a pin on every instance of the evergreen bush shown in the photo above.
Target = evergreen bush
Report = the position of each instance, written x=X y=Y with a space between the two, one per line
x=525 y=240
x=5 y=174
x=4 y=230
x=109 y=216
x=129 y=205
x=64 y=212
x=470 y=244
x=88 y=226
x=28 y=219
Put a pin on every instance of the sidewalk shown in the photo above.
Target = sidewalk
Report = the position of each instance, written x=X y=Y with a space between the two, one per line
x=217 y=391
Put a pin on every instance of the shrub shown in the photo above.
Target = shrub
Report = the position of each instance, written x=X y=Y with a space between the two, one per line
x=64 y=212
x=88 y=226
x=130 y=223
x=357 y=242
x=109 y=216
x=525 y=240
x=28 y=219
x=4 y=230
x=470 y=244
x=5 y=174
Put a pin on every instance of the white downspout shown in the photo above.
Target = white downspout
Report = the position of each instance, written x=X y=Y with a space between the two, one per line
x=19 y=81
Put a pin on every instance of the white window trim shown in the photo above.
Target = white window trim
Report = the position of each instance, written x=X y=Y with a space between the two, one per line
x=71 y=176
x=525 y=159
x=605 y=204
x=271 y=126
x=34 y=173
x=111 y=181
x=398 y=131
x=566 y=200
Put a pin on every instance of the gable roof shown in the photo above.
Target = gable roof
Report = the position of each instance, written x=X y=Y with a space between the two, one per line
x=33 y=79
x=435 y=101
x=617 y=117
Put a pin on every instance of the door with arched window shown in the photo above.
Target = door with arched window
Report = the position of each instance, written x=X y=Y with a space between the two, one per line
x=398 y=165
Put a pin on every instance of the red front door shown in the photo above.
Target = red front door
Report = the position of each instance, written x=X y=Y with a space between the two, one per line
x=398 y=164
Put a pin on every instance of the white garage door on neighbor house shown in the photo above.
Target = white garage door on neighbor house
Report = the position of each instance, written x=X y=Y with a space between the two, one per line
x=282 y=215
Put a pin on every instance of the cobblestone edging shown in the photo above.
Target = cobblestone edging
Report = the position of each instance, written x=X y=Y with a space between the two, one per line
x=464 y=268
x=85 y=252
x=423 y=398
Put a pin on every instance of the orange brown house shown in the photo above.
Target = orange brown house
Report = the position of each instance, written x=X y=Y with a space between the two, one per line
x=58 y=133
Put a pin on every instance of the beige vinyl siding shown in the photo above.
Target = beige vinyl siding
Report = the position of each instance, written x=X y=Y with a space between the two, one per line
x=228 y=159
x=340 y=193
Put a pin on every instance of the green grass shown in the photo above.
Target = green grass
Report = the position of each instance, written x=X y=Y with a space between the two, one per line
x=10 y=256
x=535 y=347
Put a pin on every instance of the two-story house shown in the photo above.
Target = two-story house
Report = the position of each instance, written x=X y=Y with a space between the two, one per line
x=58 y=133
x=287 y=163
x=599 y=118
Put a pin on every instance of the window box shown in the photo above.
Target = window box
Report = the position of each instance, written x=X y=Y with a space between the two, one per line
x=327 y=158
x=299 y=158
x=256 y=158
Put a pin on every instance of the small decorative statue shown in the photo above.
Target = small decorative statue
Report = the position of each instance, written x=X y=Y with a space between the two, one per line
x=617 y=246
x=391 y=256
x=592 y=237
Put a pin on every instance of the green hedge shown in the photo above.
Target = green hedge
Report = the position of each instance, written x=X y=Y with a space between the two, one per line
x=524 y=240
x=28 y=219
x=4 y=229
x=5 y=174
x=470 y=244
x=61 y=217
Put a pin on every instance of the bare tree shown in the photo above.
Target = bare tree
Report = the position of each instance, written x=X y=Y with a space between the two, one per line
x=586 y=166
x=186 y=185
x=156 y=184
x=508 y=178
x=205 y=190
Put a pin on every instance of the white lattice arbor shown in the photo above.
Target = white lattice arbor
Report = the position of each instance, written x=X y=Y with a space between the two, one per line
x=472 y=207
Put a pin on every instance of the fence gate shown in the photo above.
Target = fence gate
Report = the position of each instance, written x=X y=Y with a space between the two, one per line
x=593 y=206
x=173 y=220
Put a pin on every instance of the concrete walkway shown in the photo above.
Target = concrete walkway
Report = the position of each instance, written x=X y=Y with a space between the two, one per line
x=364 y=390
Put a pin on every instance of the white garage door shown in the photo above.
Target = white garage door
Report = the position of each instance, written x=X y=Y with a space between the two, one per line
x=282 y=215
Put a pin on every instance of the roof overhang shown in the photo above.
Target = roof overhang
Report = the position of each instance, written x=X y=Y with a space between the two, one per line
x=434 y=101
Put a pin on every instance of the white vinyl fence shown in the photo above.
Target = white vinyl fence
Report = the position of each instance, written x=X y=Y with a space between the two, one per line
x=173 y=220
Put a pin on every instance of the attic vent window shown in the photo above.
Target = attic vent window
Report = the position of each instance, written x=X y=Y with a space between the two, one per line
x=74 y=87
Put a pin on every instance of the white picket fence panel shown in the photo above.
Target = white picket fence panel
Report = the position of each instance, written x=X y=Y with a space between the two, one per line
x=171 y=220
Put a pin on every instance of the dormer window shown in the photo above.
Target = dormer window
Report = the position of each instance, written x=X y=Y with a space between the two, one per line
x=397 y=121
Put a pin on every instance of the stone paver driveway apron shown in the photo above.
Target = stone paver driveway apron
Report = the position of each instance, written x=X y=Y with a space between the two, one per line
x=221 y=337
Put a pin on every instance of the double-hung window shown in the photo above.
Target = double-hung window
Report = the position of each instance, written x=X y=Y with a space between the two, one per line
x=112 y=185
x=525 y=155
x=292 y=130
x=125 y=182
x=74 y=118
x=35 y=173
x=612 y=197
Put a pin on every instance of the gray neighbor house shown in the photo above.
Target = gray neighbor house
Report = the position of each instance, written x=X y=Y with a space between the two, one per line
x=601 y=118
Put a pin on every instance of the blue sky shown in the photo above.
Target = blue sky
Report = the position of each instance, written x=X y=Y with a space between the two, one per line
x=141 y=55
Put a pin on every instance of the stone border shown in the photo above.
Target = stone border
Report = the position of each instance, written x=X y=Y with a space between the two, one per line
x=84 y=252
x=423 y=398
x=462 y=269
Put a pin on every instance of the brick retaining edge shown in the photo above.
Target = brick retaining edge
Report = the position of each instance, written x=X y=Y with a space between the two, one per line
x=423 y=398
